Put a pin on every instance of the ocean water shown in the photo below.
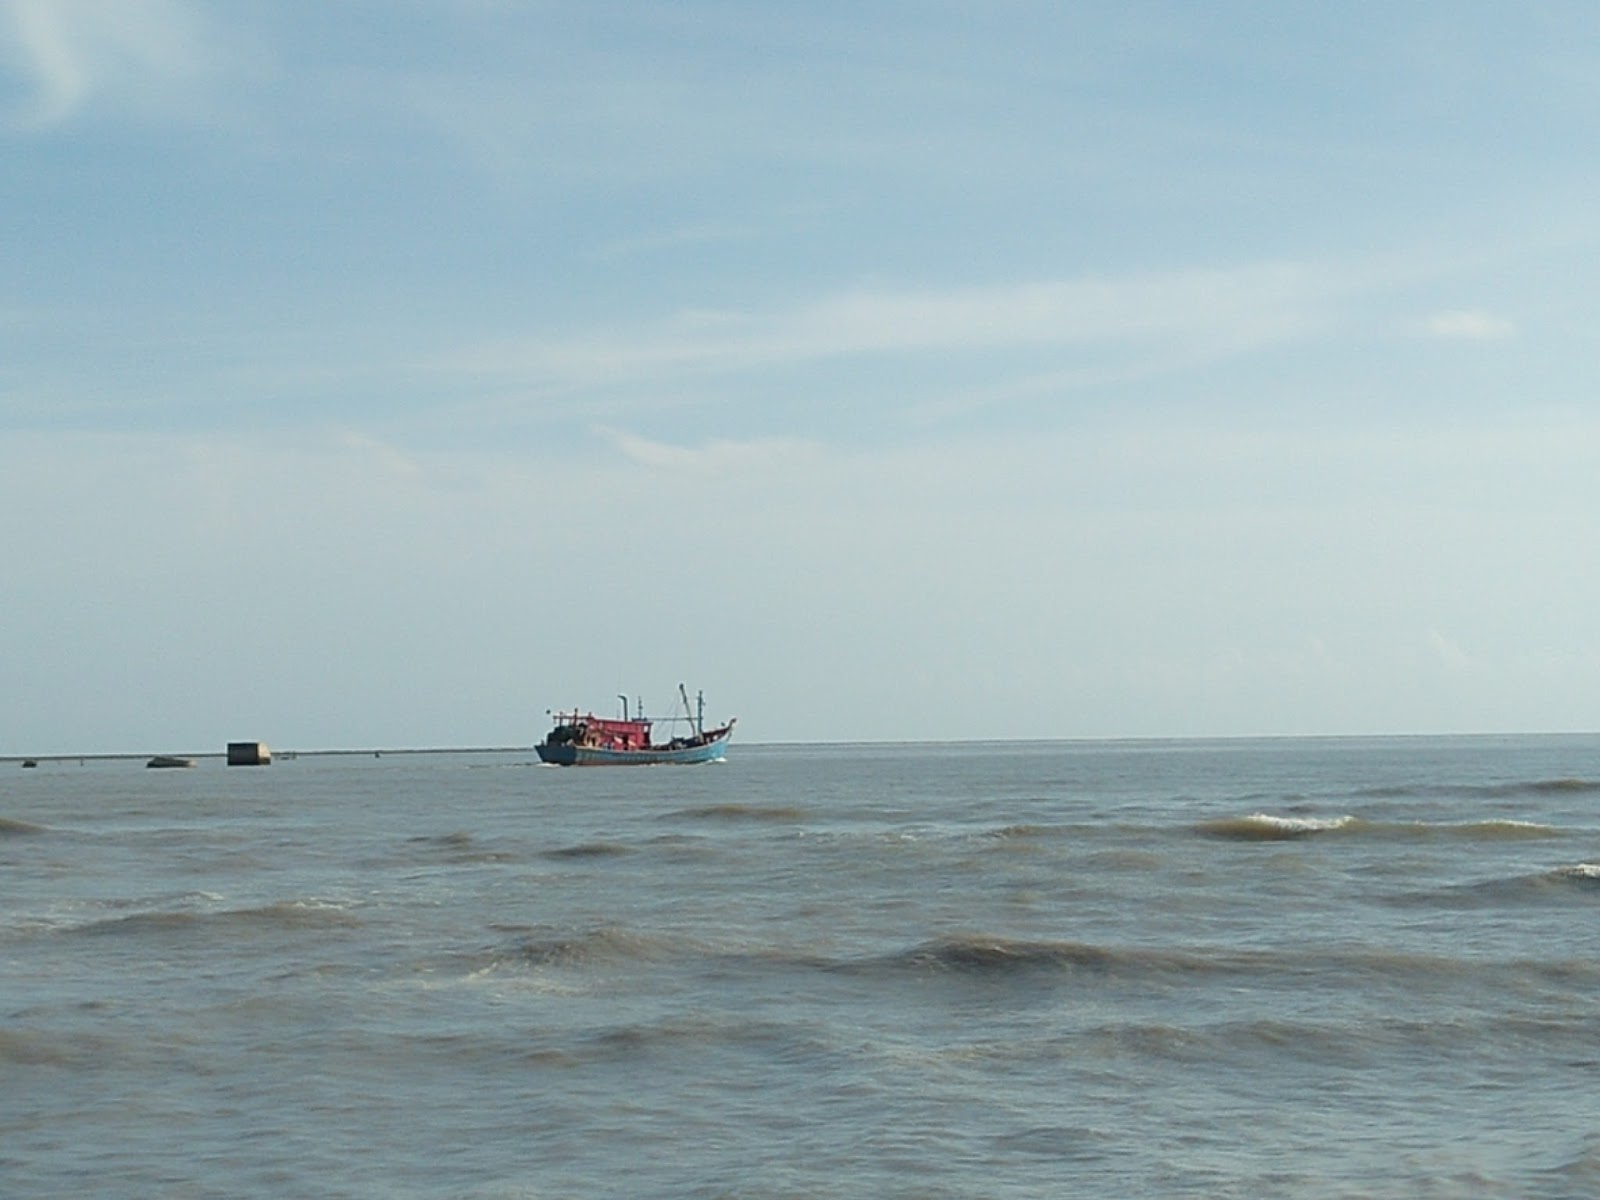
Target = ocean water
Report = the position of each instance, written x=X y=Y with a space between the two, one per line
x=1280 y=968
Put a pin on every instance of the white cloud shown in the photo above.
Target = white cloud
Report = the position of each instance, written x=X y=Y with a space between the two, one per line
x=1200 y=313
x=389 y=456
x=1470 y=325
x=140 y=53
x=719 y=455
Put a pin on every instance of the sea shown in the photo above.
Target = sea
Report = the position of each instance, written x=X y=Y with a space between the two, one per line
x=1296 y=968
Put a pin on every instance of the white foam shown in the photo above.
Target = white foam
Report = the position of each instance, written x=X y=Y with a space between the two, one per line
x=1580 y=871
x=1300 y=824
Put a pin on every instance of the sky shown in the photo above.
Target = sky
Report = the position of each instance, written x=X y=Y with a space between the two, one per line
x=386 y=374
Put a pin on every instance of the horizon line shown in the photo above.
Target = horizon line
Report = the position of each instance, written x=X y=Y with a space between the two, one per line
x=379 y=751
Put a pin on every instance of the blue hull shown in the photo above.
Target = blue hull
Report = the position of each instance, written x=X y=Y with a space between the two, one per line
x=569 y=755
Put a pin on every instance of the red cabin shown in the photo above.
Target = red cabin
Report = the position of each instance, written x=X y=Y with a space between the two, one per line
x=609 y=733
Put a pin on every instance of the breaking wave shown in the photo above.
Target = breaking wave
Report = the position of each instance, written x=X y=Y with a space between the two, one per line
x=1567 y=882
x=1579 y=875
x=1264 y=827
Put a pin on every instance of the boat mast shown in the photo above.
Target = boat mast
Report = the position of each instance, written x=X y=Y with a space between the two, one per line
x=700 y=713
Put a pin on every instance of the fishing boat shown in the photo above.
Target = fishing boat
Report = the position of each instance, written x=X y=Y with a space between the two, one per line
x=585 y=740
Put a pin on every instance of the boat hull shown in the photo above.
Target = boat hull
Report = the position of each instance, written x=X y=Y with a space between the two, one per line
x=567 y=754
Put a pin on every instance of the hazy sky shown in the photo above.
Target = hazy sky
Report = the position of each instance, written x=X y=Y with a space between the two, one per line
x=390 y=372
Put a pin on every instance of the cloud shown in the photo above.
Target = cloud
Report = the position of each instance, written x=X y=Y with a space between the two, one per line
x=143 y=54
x=1205 y=313
x=1470 y=325
x=390 y=457
x=720 y=455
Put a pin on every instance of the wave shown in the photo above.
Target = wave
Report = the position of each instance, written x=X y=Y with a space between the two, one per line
x=1493 y=830
x=289 y=914
x=460 y=839
x=960 y=953
x=1265 y=827
x=1486 y=791
x=1577 y=786
x=980 y=954
x=573 y=958
x=1361 y=1041
x=1000 y=959
x=738 y=812
x=1063 y=1143
x=459 y=847
x=782 y=1042
x=11 y=827
x=1502 y=830
x=1574 y=881
x=27 y=1049
x=296 y=914
x=986 y=956
x=1582 y=875
x=609 y=944
x=994 y=954
x=1022 y=832
x=590 y=850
